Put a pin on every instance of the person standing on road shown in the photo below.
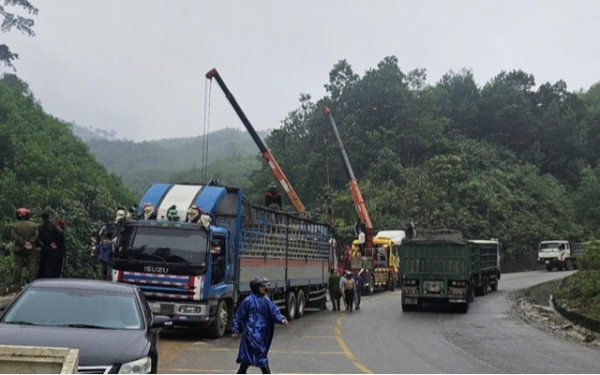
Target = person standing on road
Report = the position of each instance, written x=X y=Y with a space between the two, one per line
x=349 y=289
x=358 y=283
x=62 y=247
x=50 y=255
x=255 y=321
x=333 y=284
x=24 y=234
x=341 y=289
x=105 y=256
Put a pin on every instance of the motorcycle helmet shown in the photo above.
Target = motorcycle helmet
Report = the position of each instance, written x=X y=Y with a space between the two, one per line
x=23 y=213
x=256 y=282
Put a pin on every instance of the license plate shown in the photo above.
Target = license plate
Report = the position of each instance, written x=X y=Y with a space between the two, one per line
x=155 y=307
x=547 y=262
x=410 y=301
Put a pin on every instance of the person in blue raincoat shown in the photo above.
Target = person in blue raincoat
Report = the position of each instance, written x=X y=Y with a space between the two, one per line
x=255 y=321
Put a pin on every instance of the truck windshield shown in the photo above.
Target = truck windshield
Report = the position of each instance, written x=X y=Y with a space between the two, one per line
x=549 y=247
x=163 y=244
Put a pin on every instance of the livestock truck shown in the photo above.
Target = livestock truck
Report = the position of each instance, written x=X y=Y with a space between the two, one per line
x=560 y=254
x=447 y=269
x=197 y=272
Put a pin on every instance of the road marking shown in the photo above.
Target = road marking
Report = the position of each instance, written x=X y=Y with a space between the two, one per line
x=346 y=350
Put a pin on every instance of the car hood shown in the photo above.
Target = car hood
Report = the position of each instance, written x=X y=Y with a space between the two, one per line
x=97 y=347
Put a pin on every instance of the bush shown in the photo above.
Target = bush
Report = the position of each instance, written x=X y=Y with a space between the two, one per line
x=591 y=258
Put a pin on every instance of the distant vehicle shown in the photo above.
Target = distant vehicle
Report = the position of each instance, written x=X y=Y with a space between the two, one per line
x=560 y=254
x=110 y=323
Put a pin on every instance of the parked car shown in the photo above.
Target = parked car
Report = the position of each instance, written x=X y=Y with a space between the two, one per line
x=110 y=323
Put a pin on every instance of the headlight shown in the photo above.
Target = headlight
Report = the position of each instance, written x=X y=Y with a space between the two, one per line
x=139 y=366
x=190 y=310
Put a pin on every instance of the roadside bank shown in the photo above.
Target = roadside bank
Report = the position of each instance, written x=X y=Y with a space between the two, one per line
x=534 y=306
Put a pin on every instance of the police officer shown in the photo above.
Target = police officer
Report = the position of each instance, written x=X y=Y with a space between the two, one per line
x=24 y=234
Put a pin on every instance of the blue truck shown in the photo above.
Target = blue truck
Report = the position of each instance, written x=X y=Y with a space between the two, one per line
x=194 y=249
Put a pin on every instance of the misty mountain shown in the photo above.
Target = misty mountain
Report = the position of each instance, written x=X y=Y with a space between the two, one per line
x=231 y=157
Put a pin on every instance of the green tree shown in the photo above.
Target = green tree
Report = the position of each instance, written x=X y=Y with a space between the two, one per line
x=12 y=20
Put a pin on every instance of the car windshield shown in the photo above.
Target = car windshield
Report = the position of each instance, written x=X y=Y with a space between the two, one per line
x=164 y=244
x=549 y=247
x=75 y=308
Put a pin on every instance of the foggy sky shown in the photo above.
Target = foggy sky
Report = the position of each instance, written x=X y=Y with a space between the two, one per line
x=138 y=66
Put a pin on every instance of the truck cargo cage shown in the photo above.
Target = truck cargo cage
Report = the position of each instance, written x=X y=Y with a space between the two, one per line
x=268 y=232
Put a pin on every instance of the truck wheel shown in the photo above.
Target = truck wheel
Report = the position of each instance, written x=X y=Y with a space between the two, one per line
x=463 y=308
x=391 y=284
x=290 y=306
x=486 y=284
x=494 y=285
x=549 y=267
x=218 y=326
x=371 y=287
x=569 y=265
x=301 y=304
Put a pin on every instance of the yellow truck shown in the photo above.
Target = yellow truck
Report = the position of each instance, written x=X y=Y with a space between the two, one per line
x=380 y=264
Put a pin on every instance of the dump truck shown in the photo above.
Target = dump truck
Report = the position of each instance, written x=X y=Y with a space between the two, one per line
x=560 y=254
x=198 y=270
x=445 y=268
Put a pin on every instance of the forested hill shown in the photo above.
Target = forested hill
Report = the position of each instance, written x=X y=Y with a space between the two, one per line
x=231 y=158
x=43 y=166
x=514 y=158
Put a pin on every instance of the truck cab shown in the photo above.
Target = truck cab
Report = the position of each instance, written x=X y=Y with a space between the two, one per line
x=556 y=254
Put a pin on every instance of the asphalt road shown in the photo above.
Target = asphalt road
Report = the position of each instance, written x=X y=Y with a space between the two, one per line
x=380 y=338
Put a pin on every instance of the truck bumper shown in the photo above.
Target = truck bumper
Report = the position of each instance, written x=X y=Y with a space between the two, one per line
x=182 y=312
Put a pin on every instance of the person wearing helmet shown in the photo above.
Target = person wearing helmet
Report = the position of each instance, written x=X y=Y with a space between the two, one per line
x=255 y=321
x=24 y=234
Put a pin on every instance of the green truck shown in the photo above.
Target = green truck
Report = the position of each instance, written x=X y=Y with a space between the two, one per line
x=447 y=269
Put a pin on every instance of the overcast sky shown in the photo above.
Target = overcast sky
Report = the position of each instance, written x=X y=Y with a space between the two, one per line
x=138 y=66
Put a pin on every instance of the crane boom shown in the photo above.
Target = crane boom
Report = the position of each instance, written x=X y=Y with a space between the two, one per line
x=359 y=202
x=266 y=154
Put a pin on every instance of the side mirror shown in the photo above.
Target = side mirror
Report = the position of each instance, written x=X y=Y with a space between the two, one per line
x=160 y=321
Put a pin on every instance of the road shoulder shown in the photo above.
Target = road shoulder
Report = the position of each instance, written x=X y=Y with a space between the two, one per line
x=534 y=307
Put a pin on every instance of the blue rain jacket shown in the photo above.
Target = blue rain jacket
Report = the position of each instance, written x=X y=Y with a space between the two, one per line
x=255 y=322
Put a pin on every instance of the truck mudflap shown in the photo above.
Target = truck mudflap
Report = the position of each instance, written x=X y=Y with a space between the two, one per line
x=182 y=312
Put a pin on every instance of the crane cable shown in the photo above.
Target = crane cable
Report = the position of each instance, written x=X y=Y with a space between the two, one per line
x=206 y=128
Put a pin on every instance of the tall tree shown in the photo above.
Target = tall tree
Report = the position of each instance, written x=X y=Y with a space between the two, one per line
x=13 y=20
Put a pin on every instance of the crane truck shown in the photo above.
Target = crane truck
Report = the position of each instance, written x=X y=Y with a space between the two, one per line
x=266 y=154
x=198 y=271
x=378 y=263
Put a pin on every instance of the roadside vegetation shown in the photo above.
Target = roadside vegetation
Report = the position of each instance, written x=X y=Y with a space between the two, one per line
x=580 y=293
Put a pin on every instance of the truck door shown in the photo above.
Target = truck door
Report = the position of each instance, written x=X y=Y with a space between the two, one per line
x=218 y=260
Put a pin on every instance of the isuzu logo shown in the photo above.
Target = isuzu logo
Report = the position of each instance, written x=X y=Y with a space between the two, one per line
x=156 y=269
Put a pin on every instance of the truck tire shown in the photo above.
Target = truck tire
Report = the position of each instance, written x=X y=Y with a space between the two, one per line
x=371 y=287
x=569 y=265
x=485 y=285
x=218 y=326
x=290 y=306
x=391 y=284
x=494 y=285
x=301 y=304
x=549 y=267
